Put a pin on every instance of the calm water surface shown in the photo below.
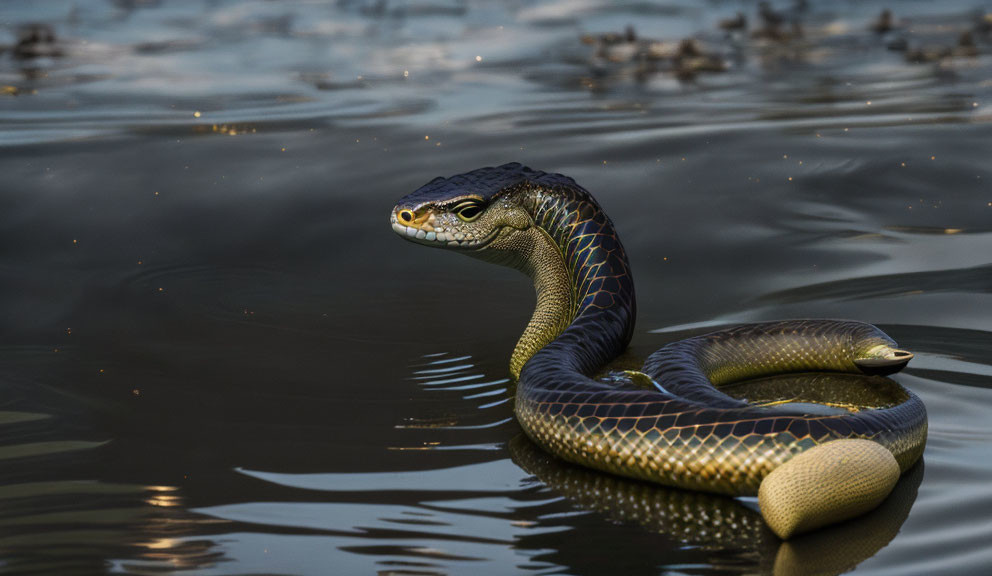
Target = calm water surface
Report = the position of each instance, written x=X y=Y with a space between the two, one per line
x=217 y=358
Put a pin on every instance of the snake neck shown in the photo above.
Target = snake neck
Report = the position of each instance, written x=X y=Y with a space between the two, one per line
x=585 y=309
x=539 y=257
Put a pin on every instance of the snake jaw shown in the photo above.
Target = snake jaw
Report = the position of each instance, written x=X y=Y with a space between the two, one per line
x=426 y=229
x=435 y=225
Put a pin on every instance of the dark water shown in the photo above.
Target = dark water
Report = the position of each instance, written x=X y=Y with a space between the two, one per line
x=217 y=358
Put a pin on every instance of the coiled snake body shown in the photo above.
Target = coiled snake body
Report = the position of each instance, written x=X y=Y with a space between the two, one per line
x=685 y=432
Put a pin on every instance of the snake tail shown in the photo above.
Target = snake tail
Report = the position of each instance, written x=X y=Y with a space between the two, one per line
x=850 y=477
x=687 y=433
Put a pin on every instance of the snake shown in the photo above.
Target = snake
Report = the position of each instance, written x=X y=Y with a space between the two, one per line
x=671 y=422
x=722 y=526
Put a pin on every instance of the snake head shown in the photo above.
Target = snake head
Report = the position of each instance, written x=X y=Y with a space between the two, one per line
x=469 y=211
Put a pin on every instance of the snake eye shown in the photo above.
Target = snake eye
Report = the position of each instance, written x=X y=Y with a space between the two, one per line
x=468 y=211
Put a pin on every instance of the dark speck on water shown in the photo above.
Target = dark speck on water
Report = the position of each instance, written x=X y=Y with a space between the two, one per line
x=217 y=358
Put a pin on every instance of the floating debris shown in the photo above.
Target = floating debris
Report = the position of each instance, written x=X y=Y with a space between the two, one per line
x=983 y=23
x=884 y=23
x=691 y=59
x=734 y=24
x=36 y=41
x=684 y=58
x=779 y=34
x=966 y=47
x=773 y=24
x=615 y=47
x=927 y=54
x=769 y=16
x=611 y=38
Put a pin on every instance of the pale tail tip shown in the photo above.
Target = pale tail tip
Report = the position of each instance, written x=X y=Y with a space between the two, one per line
x=893 y=361
x=826 y=484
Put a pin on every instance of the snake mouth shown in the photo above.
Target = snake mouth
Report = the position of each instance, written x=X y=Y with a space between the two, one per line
x=441 y=239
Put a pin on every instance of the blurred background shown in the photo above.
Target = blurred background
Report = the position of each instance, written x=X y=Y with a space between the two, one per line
x=217 y=358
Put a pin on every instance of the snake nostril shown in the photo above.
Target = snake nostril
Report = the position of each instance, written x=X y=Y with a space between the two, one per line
x=405 y=216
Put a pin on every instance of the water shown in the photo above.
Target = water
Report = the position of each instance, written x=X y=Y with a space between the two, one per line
x=217 y=358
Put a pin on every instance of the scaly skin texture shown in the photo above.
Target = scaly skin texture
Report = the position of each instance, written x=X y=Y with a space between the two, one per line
x=718 y=523
x=687 y=433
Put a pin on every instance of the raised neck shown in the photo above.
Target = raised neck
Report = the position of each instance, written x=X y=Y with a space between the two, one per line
x=556 y=302
x=585 y=292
